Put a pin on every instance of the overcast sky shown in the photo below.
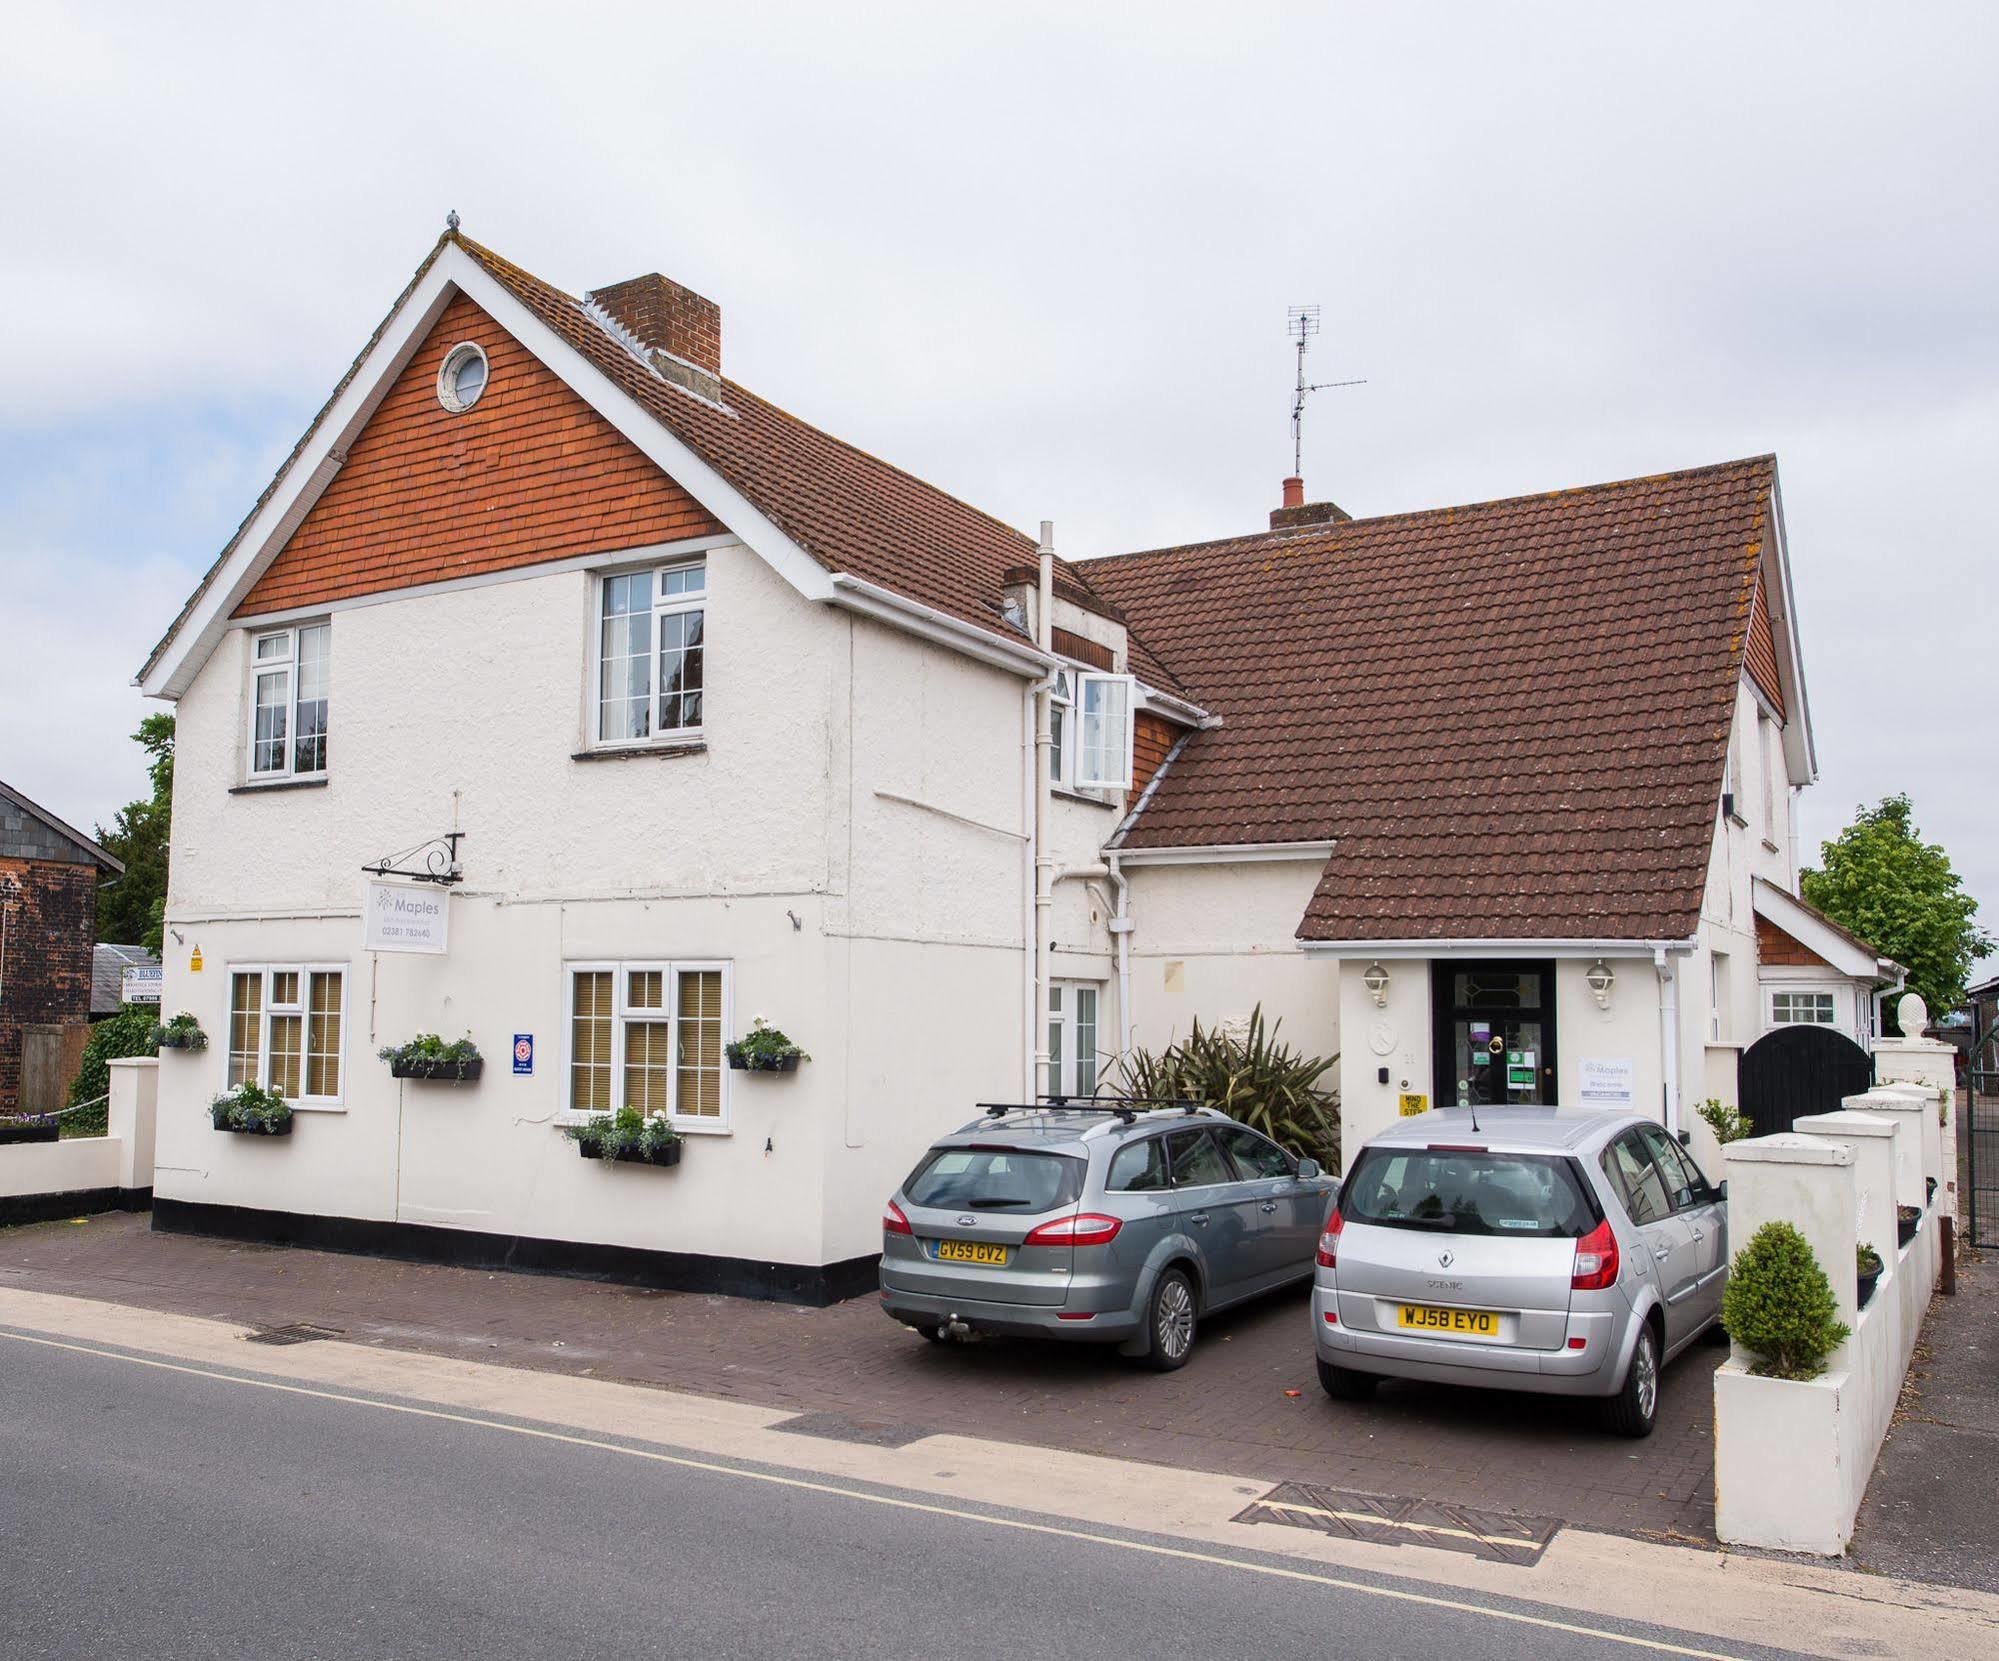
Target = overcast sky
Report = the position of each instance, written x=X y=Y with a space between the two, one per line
x=1042 y=256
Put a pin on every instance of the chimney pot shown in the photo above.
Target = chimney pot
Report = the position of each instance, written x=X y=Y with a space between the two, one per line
x=1294 y=492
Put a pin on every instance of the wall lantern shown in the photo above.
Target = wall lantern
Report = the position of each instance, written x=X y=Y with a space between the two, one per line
x=1376 y=981
x=1601 y=980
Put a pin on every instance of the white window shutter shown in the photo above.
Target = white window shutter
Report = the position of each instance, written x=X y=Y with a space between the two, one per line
x=1103 y=740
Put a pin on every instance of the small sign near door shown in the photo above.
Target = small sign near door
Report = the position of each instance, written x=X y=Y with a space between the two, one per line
x=1410 y=1103
x=1607 y=1083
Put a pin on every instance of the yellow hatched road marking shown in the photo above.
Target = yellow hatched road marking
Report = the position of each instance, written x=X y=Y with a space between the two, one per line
x=656 y=1456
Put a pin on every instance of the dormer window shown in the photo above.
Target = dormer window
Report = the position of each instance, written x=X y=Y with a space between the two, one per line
x=651 y=670
x=1090 y=724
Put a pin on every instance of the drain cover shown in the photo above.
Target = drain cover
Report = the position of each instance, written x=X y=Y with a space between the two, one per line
x=299 y=1332
x=1391 y=1520
x=837 y=1427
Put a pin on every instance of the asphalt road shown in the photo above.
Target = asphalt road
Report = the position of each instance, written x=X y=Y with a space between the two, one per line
x=167 y=1514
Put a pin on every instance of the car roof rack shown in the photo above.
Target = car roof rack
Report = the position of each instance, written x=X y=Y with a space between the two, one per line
x=1122 y=1107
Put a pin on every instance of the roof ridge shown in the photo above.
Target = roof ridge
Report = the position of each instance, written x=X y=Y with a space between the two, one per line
x=1340 y=527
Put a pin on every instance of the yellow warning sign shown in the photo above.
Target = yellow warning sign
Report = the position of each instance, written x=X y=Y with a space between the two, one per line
x=194 y=961
x=1410 y=1104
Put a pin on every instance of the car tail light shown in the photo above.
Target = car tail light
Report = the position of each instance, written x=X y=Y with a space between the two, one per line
x=893 y=1221
x=1329 y=1242
x=1596 y=1260
x=1084 y=1228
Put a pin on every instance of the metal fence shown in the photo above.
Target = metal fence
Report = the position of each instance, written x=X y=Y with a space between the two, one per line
x=1981 y=1123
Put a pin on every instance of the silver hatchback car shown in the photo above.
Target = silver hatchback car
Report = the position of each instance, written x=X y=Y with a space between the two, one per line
x=1520 y=1248
x=1105 y=1226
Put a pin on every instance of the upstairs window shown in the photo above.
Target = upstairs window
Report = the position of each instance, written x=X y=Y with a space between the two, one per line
x=1090 y=723
x=650 y=646
x=288 y=687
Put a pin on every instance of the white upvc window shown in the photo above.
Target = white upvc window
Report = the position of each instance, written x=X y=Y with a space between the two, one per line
x=1802 y=1009
x=1090 y=723
x=650 y=1035
x=1073 y=1061
x=288 y=1030
x=651 y=647
x=288 y=701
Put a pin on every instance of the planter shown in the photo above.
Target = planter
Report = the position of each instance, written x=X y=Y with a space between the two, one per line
x=664 y=1159
x=184 y=1041
x=1908 y=1219
x=1866 y=1281
x=284 y=1129
x=764 y=1064
x=1782 y=1452
x=30 y=1130
x=456 y=1072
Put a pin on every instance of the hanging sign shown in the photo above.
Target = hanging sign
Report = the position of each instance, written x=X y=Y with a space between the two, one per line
x=140 y=983
x=1607 y=1083
x=405 y=917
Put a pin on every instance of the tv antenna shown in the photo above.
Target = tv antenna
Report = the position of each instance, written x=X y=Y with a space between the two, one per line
x=1302 y=324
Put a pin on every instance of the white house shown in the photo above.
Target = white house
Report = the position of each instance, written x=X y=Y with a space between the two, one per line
x=703 y=716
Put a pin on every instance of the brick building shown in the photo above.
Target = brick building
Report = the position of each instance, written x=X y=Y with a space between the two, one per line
x=49 y=873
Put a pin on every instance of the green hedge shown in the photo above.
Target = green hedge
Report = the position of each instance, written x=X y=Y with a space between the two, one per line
x=129 y=1032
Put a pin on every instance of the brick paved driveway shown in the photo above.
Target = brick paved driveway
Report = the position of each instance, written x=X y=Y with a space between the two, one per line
x=1227 y=1410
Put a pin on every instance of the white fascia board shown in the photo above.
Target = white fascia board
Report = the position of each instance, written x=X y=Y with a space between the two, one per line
x=1501 y=947
x=1801 y=755
x=1175 y=709
x=1227 y=853
x=454 y=272
x=856 y=594
x=1805 y=926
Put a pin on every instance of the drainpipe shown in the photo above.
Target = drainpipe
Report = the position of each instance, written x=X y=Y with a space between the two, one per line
x=1044 y=860
x=1121 y=927
x=1669 y=1035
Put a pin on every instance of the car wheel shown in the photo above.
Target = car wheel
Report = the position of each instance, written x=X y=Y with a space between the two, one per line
x=1171 y=1318
x=1344 y=1384
x=1634 y=1410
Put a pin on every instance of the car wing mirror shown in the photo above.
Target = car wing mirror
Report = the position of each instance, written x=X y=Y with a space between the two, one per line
x=1308 y=1170
x=1721 y=1193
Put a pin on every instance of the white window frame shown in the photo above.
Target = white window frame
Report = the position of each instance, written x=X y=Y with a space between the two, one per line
x=285 y=666
x=1119 y=695
x=670 y=969
x=1062 y=727
x=1063 y=1017
x=1814 y=992
x=663 y=606
x=303 y=1009
x=1719 y=992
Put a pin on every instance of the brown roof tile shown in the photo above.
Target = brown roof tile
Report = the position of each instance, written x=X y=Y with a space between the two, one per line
x=1510 y=718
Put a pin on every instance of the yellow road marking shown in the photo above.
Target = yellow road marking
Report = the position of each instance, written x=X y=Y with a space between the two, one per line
x=1177 y=1553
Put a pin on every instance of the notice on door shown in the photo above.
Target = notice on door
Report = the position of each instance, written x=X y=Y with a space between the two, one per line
x=1607 y=1083
x=405 y=917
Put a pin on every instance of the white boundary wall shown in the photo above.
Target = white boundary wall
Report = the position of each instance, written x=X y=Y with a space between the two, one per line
x=122 y=1158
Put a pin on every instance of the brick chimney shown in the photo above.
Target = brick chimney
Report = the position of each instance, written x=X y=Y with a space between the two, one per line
x=680 y=330
x=1297 y=511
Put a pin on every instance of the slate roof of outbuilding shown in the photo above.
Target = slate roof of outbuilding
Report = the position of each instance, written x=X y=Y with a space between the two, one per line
x=849 y=510
x=1510 y=718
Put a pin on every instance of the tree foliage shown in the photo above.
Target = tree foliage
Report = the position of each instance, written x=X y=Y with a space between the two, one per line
x=132 y=909
x=1254 y=1079
x=1900 y=894
x=129 y=1032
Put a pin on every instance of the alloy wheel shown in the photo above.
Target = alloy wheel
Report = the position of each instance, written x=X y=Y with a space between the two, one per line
x=1176 y=1318
x=1646 y=1364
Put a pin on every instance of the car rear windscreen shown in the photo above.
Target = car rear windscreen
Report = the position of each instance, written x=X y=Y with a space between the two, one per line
x=994 y=1179
x=1530 y=1196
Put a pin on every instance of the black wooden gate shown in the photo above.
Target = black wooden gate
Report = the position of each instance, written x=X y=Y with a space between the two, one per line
x=1795 y=1071
x=1981 y=1120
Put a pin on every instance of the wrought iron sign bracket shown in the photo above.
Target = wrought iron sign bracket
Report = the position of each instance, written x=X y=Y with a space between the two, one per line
x=433 y=861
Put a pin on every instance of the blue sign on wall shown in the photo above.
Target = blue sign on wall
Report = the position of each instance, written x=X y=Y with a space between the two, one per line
x=523 y=1052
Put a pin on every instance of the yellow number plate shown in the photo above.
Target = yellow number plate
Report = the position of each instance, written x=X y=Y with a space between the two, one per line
x=970 y=1251
x=1455 y=1323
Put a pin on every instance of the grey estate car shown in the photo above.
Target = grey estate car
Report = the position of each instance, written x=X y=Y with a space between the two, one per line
x=1097 y=1225
x=1520 y=1248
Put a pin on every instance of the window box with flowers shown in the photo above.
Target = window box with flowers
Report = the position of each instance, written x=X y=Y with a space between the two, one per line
x=183 y=1032
x=628 y=1137
x=427 y=1056
x=34 y=1127
x=763 y=1049
x=251 y=1110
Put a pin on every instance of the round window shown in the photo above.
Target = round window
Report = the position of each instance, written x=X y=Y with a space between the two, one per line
x=462 y=378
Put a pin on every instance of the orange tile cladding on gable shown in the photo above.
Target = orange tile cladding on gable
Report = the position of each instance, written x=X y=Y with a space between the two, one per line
x=1776 y=946
x=1759 y=653
x=529 y=473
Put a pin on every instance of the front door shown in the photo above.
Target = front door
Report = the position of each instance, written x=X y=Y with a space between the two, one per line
x=1495 y=1032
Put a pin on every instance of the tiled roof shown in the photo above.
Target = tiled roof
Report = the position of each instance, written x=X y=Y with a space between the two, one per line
x=850 y=511
x=1509 y=718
